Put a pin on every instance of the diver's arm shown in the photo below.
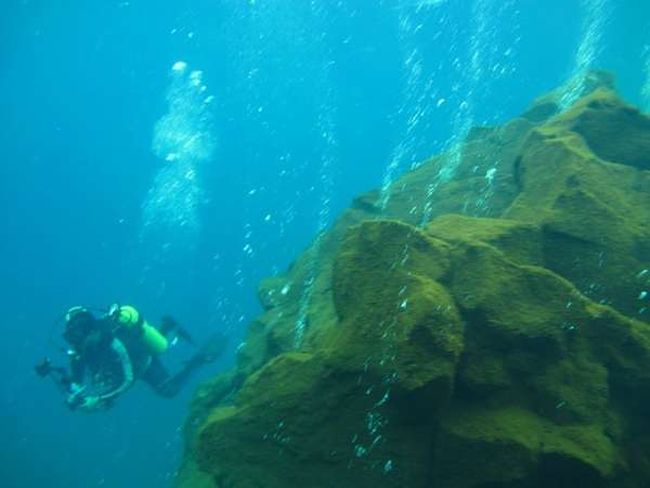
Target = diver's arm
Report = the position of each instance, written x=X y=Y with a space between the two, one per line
x=101 y=401
x=72 y=383
x=77 y=369
x=127 y=371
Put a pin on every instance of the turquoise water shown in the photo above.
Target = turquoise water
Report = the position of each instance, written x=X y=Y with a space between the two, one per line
x=171 y=156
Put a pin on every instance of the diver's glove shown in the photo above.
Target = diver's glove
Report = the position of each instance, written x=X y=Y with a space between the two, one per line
x=91 y=403
x=76 y=396
x=87 y=403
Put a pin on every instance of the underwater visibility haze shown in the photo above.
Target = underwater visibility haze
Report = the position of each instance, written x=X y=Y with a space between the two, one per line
x=419 y=229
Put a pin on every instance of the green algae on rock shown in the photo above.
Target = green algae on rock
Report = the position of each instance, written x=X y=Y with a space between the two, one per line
x=503 y=343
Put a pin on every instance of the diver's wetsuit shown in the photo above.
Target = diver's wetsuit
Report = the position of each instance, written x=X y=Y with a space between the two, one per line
x=109 y=368
x=106 y=371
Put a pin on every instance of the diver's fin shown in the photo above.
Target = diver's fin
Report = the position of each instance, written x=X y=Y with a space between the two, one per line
x=185 y=335
x=211 y=350
x=169 y=324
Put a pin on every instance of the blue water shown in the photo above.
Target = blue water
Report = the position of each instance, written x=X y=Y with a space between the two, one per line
x=311 y=103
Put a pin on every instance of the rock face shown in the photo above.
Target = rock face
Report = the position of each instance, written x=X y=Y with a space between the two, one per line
x=495 y=335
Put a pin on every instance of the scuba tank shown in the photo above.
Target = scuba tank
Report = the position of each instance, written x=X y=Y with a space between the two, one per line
x=132 y=322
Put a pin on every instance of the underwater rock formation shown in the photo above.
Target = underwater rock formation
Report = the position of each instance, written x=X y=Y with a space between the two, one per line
x=504 y=342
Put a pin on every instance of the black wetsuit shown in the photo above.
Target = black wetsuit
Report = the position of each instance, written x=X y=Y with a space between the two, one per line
x=110 y=366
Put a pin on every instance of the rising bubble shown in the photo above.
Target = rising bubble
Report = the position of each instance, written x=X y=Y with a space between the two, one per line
x=183 y=139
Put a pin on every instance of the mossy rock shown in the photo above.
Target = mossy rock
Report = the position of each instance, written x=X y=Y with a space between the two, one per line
x=485 y=328
x=613 y=131
x=413 y=366
x=391 y=308
x=300 y=297
x=301 y=423
x=548 y=106
x=594 y=215
x=519 y=304
x=190 y=476
x=623 y=346
x=520 y=242
x=483 y=183
x=507 y=447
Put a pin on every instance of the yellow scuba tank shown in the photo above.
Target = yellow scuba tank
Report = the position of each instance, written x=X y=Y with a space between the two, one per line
x=129 y=318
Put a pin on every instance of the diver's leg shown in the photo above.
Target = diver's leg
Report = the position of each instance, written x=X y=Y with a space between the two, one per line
x=163 y=383
x=168 y=386
x=177 y=381
x=158 y=378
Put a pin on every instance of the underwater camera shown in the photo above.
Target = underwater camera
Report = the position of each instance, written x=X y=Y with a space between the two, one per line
x=43 y=368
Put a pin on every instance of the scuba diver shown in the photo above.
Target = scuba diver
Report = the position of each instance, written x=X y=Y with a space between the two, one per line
x=108 y=352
